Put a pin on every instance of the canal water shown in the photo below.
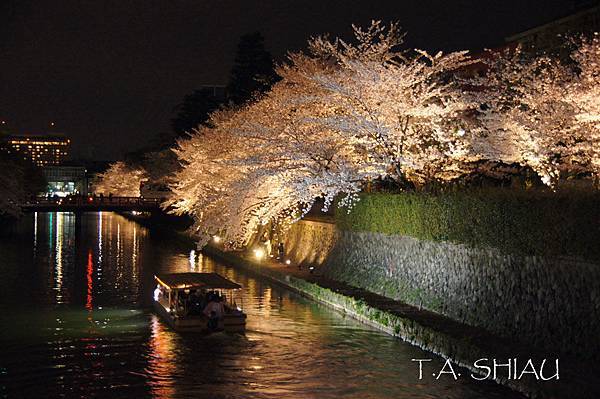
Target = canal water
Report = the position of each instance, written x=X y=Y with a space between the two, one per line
x=76 y=321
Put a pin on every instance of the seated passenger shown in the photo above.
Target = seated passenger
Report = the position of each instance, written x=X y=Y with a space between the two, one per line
x=214 y=306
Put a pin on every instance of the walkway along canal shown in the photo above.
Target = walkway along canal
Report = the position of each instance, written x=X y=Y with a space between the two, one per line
x=75 y=298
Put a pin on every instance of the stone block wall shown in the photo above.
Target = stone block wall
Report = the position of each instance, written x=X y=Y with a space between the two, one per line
x=551 y=303
x=309 y=243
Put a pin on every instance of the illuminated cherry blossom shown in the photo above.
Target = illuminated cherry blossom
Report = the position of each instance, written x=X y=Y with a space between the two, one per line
x=346 y=113
x=120 y=180
x=538 y=113
x=583 y=93
x=403 y=109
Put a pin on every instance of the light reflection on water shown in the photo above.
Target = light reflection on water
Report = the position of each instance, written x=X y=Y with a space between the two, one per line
x=76 y=322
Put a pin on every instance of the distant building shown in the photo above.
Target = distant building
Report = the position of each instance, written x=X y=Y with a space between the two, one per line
x=66 y=180
x=42 y=150
x=550 y=38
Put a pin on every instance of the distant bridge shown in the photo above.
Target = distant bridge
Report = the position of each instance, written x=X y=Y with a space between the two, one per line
x=91 y=204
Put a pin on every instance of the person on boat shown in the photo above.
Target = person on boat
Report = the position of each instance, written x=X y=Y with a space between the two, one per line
x=214 y=311
x=215 y=305
x=157 y=293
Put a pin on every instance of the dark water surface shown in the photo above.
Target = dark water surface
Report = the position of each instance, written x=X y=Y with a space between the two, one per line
x=76 y=321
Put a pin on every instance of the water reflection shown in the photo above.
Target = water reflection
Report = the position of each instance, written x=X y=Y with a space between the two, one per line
x=58 y=251
x=80 y=325
x=90 y=281
x=35 y=232
x=134 y=256
x=193 y=260
x=100 y=238
x=119 y=255
x=161 y=360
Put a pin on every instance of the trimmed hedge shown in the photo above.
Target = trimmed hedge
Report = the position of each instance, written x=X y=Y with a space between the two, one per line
x=514 y=221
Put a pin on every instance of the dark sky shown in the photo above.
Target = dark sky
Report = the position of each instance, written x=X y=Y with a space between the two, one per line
x=109 y=73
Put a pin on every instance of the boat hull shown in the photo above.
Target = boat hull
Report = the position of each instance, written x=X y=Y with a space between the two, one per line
x=229 y=323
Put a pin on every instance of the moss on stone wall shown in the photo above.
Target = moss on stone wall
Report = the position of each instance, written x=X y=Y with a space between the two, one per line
x=515 y=221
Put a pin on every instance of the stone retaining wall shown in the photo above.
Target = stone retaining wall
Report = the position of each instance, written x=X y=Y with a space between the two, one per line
x=550 y=303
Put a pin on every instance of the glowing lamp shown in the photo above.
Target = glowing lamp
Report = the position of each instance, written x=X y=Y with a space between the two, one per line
x=216 y=239
x=288 y=262
x=259 y=254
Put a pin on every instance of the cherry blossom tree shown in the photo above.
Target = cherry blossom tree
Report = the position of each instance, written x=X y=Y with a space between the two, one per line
x=120 y=179
x=341 y=115
x=344 y=113
x=524 y=120
x=583 y=94
x=295 y=158
x=403 y=108
x=267 y=161
x=203 y=187
x=539 y=113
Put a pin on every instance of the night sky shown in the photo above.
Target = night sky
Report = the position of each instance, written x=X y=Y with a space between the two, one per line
x=109 y=73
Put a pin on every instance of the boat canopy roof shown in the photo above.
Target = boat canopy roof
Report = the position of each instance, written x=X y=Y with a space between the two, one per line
x=196 y=280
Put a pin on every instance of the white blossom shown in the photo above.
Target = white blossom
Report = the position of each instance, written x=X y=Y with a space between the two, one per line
x=346 y=113
x=120 y=180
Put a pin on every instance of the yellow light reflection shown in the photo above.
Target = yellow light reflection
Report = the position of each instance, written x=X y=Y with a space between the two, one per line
x=192 y=260
x=58 y=274
x=134 y=256
x=35 y=232
x=119 y=256
x=267 y=305
x=99 y=244
x=162 y=362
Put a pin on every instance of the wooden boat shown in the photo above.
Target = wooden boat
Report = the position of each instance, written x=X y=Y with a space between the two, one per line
x=199 y=302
